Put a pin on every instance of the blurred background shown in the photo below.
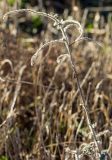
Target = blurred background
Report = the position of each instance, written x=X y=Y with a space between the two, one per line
x=92 y=14
x=41 y=115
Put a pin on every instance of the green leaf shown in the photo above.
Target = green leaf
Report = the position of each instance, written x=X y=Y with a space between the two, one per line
x=3 y=158
x=89 y=27
x=36 y=20
x=11 y=2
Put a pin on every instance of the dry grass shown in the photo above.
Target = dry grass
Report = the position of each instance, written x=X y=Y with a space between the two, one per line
x=42 y=115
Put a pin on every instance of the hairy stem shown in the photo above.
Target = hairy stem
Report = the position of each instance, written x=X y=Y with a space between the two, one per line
x=75 y=74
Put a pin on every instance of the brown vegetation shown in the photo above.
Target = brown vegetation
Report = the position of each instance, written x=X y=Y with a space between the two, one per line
x=42 y=115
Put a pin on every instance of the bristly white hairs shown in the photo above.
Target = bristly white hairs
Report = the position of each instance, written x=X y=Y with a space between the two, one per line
x=59 y=24
x=63 y=25
x=35 y=56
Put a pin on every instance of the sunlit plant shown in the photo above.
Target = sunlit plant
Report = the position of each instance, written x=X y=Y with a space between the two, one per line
x=63 y=26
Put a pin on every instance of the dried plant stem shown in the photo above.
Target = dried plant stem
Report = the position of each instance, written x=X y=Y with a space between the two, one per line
x=75 y=75
x=84 y=80
x=63 y=25
x=12 y=105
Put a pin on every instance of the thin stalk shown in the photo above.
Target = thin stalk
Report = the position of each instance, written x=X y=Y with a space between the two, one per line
x=75 y=74
x=63 y=26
